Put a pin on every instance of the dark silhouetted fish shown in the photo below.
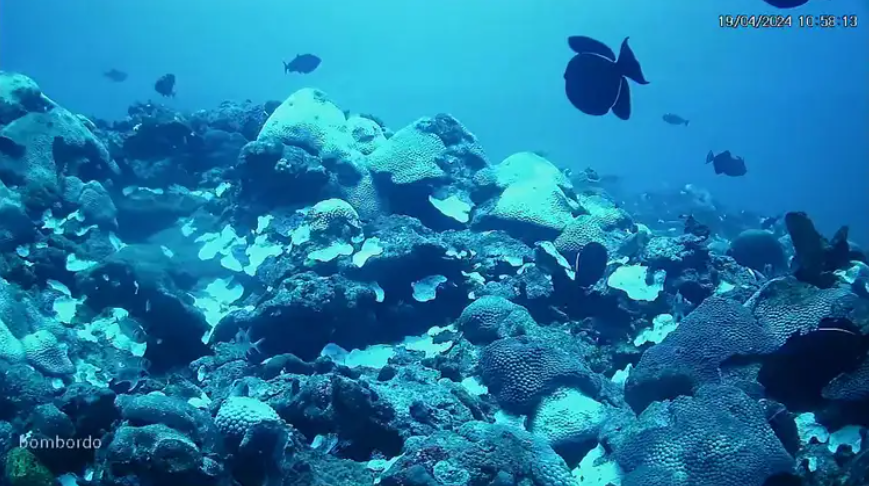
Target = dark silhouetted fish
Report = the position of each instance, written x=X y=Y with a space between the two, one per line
x=725 y=163
x=674 y=119
x=166 y=85
x=816 y=357
x=595 y=81
x=786 y=3
x=591 y=264
x=11 y=148
x=303 y=63
x=115 y=75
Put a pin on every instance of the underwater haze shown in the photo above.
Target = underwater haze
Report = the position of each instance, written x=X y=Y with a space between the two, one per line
x=433 y=243
x=794 y=102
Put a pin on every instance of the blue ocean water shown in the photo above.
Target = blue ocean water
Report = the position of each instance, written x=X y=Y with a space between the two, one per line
x=794 y=102
x=417 y=263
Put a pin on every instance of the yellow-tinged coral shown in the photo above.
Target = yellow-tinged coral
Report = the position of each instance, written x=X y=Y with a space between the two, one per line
x=410 y=156
x=534 y=202
x=579 y=232
x=526 y=166
x=608 y=214
x=332 y=214
x=309 y=119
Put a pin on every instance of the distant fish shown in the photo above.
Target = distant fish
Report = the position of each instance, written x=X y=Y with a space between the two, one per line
x=725 y=163
x=694 y=227
x=786 y=3
x=674 y=119
x=115 y=75
x=591 y=175
x=610 y=179
x=595 y=81
x=303 y=63
x=166 y=85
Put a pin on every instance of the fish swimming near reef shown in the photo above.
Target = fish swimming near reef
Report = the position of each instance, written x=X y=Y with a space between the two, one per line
x=11 y=148
x=115 y=75
x=166 y=85
x=302 y=63
x=783 y=4
x=590 y=264
x=725 y=163
x=591 y=175
x=674 y=119
x=596 y=82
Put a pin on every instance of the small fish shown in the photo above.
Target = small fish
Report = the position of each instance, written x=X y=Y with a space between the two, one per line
x=595 y=82
x=786 y=3
x=116 y=75
x=725 y=163
x=303 y=63
x=132 y=374
x=674 y=119
x=166 y=85
x=591 y=175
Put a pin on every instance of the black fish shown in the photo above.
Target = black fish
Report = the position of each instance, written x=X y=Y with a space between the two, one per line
x=590 y=264
x=115 y=75
x=166 y=85
x=674 y=119
x=303 y=63
x=725 y=163
x=11 y=148
x=786 y=3
x=798 y=371
x=595 y=81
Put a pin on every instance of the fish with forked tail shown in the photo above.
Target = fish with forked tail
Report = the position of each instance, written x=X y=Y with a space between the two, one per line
x=302 y=63
x=727 y=164
x=596 y=82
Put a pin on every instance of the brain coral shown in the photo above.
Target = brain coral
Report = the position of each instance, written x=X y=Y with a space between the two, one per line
x=409 y=157
x=308 y=119
x=521 y=371
x=720 y=437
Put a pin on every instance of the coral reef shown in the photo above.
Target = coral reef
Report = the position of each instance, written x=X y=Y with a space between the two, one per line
x=293 y=294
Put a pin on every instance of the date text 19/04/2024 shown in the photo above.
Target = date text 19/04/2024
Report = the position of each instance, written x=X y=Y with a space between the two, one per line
x=772 y=21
